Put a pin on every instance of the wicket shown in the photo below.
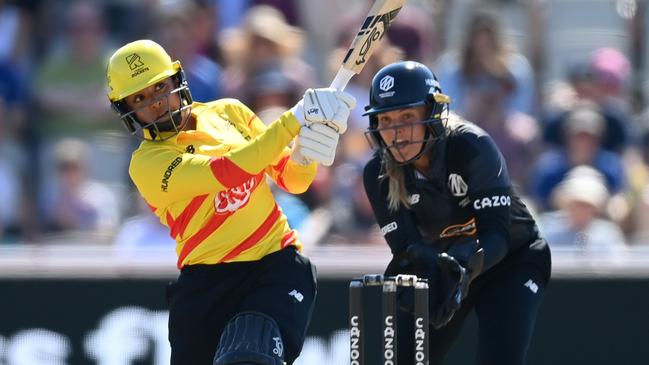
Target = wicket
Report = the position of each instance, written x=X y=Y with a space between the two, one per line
x=389 y=286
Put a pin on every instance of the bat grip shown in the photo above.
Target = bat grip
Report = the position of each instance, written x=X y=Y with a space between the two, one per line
x=342 y=78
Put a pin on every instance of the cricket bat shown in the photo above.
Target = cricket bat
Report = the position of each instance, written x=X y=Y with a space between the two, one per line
x=367 y=39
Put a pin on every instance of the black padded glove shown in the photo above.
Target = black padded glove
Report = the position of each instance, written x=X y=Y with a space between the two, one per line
x=470 y=256
x=449 y=274
x=445 y=276
x=458 y=267
x=454 y=284
x=417 y=259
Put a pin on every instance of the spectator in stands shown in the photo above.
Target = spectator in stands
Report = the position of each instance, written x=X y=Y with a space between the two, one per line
x=13 y=103
x=413 y=32
x=12 y=149
x=580 y=221
x=15 y=30
x=69 y=83
x=612 y=70
x=70 y=92
x=205 y=28
x=602 y=80
x=75 y=202
x=14 y=98
x=493 y=85
x=270 y=91
x=264 y=38
x=352 y=221
x=583 y=133
x=487 y=67
x=177 y=31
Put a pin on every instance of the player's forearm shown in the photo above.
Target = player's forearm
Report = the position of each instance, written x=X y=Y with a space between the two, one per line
x=495 y=249
x=493 y=236
x=297 y=178
x=263 y=150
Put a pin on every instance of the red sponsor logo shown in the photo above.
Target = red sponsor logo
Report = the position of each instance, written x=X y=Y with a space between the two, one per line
x=229 y=201
x=464 y=229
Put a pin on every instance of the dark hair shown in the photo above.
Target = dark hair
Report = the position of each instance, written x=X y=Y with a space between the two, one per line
x=485 y=21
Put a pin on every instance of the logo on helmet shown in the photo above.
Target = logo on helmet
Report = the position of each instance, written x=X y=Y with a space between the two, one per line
x=432 y=82
x=386 y=83
x=134 y=63
x=434 y=86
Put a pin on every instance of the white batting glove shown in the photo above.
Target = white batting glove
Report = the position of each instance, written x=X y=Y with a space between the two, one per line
x=325 y=106
x=316 y=143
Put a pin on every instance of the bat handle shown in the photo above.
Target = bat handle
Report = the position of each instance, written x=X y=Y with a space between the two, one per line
x=342 y=78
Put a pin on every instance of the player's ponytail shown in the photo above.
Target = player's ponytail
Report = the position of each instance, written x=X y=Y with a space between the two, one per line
x=397 y=193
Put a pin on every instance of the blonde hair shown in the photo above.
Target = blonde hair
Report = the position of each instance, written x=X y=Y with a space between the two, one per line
x=394 y=172
x=397 y=193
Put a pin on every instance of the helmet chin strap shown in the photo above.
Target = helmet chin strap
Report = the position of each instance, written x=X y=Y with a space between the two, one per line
x=174 y=123
x=171 y=124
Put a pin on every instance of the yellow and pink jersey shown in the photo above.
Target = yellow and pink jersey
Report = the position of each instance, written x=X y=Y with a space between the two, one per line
x=209 y=187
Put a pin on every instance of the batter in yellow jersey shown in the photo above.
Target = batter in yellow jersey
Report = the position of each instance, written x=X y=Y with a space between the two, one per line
x=203 y=169
x=209 y=187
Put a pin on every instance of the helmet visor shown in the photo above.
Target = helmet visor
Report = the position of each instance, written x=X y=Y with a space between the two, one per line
x=167 y=124
x=406 y=142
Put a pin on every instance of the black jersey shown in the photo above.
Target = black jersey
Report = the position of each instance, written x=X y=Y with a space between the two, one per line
x=466 y=192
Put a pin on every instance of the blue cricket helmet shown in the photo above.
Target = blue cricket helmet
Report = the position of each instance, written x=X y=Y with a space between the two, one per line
x=403 y=85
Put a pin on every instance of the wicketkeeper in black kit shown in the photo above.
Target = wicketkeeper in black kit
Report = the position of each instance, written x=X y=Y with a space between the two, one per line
x=441 y=193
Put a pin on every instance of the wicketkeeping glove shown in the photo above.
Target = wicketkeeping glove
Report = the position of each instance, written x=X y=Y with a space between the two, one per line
x=448 y=278
x=443 y=281
x=316 y=143
x=454 y=282
x=325 y=106
x=457 y=268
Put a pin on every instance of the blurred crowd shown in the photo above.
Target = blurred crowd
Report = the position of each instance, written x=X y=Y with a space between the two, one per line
x=576 y=142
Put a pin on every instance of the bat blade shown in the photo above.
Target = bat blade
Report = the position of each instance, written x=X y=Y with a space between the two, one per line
x=372 y=30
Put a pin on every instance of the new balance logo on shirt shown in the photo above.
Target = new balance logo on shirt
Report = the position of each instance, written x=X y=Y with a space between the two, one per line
x=414 y=199
x=297 y=295
x=532 y=286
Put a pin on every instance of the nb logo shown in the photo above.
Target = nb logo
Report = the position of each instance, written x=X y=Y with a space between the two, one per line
x=313 y=111
x=532 y=286
x=414 y=199
x=297 y=295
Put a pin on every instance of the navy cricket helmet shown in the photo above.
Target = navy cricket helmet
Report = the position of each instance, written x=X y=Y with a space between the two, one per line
x=403 y=85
